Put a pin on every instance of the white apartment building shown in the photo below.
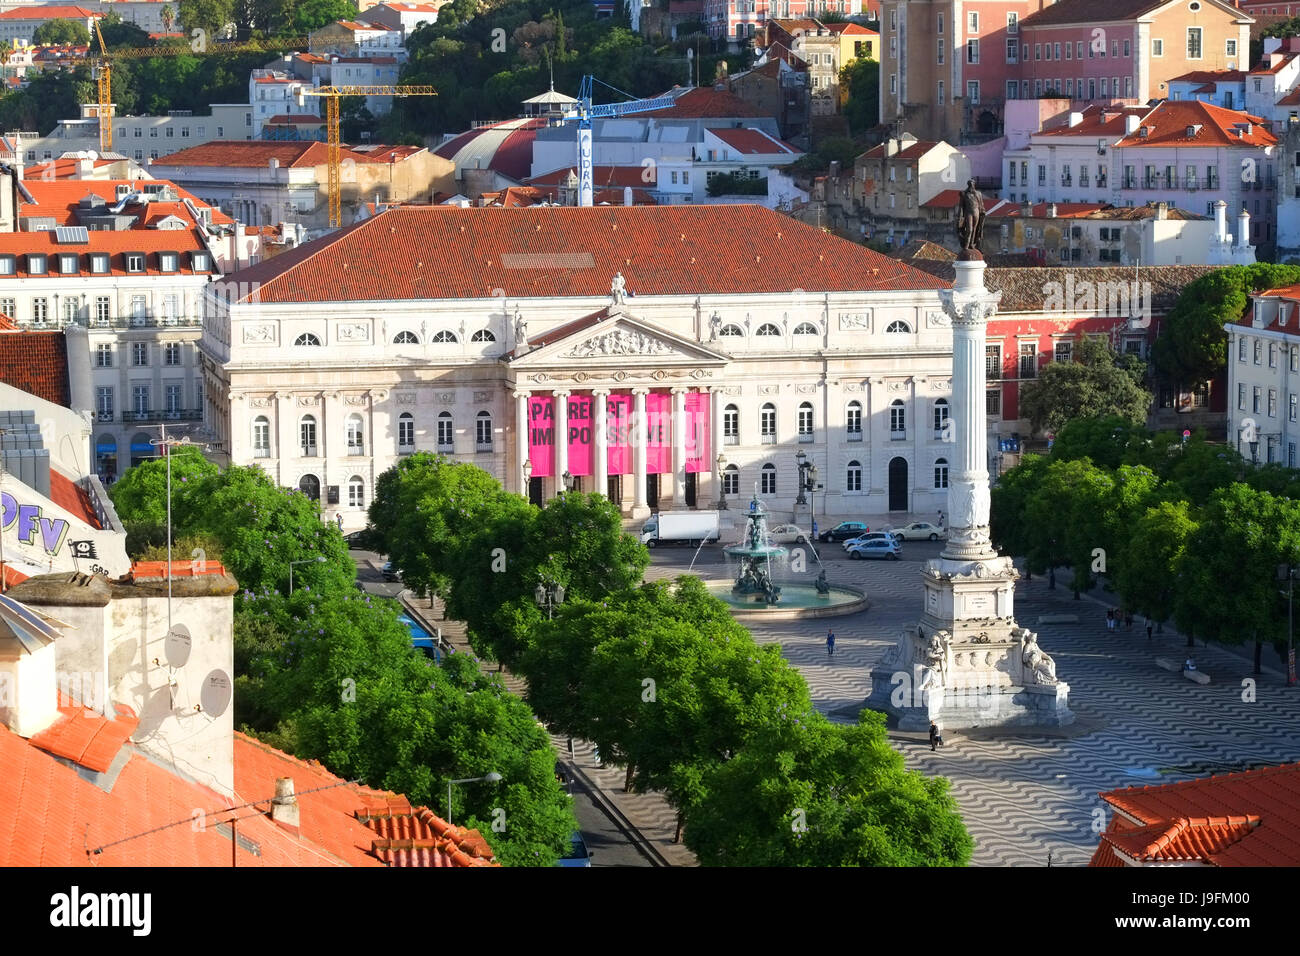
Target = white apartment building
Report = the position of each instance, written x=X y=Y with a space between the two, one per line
x=143 y=138
x=20 y=23
x=407 y=17
x=483 y=333
x=1264 y=378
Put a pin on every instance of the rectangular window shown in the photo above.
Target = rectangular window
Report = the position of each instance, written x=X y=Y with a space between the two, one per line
x=853 y=477
x=140 y=400
x=1295 y=359
x=1294 y=409
x=307 y=437
x=1272 y=403
x=172 y=396
x=805 y=424
x=172 y=353
x=767 y=424
x=972 y=23
x=993 y=403
x=972 y=51
x=1056 y=51
x=40 y=310
x=940 y=51
x=1241 y=396
x=992 y=362
x=139 y=353
x=1230 y=48
x=853 y=422
x=892 y=25
x=897 y=421
x=104 y=355
x=973 y=91
x=1272 y=355
x=103 y=309
x=1069 y=48
x=1064 y=352
x=768 y=483
x=1256 y=394
x=1013 y=23
x=1194 y=42
x=104 y=403
x=1038 y=51
x=1114 y=48
x=1259 y=352
x=1157 y=47
x=730 y=426
x=1028 y=360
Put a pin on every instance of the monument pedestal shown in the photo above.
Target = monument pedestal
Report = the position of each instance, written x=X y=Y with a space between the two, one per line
x=967 y=663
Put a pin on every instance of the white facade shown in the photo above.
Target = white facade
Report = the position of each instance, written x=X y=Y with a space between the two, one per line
x=143 y=138
x=1264 y=379
x=407 y=17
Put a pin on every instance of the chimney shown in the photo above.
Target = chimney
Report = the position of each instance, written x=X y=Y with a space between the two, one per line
x=627 y=196
x=29 y=689
x=85 y=167
x=284 y=808
x=891 y=146
x=1131 y=122
x=1026 y=210
x=1076 y=119
x=1051 y=210
x=1221 y=222
x=1243 y=229
x=1162 y=210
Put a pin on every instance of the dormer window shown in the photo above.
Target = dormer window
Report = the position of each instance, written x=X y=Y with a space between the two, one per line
x=167 y=261
x=200 y=260
x=99 y=263
x=68 y=263
x=7 y=266
x=135 y=262
x=36 y=264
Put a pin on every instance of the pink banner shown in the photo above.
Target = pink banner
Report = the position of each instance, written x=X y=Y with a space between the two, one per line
x=659 y=433
x=581 y=437
x=618 y=432
x=699 y=445
x=541 y=435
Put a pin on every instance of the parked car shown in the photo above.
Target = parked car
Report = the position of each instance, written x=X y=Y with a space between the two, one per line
x=869 y=536
x=844 y=530
x=787 y=534
x=886 y=548
x=391 y=573
x=578 y=854
x=919 y=531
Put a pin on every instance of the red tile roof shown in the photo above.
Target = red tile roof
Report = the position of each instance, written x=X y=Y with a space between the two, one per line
x=59 y=198
x=51 y=12
x=37 y=363
x=1090 y=11
x=1273 y=63
x=72 y=498
x=455 y=253
x=150 y=242
x=146 y=570
x=1106 y=121
x=611 y=176
x=705 y=102
x=850 y=29
x=507 y=146
x=257 y=153
x=284 y=119
x=753 y=142
x=1168 y=123
x=1211 y=76
x=913 y=151
x=1238 y=819
x=59 y=169
x=85 y=737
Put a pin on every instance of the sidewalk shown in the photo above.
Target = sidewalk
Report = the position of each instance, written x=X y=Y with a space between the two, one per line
x=649 y=813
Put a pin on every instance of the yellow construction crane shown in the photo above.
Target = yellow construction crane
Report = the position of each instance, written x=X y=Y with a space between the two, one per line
x=104 y=68
x=332 y=96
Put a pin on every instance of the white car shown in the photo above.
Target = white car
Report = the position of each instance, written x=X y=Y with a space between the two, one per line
x=787 y=534
x=919 y=531
x=869 y=536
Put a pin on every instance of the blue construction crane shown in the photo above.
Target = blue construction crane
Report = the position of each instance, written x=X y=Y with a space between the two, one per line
x=584 y=111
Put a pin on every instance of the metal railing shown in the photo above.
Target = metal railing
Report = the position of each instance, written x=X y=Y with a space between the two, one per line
x=163 y=415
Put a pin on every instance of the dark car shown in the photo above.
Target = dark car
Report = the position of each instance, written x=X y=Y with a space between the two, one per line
x=390 y=572
x=578 y=854
x=844 y=530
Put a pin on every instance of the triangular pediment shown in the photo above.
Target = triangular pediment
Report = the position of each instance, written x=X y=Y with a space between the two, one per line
x=617 y=340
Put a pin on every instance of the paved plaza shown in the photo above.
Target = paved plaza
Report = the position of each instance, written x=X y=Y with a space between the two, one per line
x=1025 y=795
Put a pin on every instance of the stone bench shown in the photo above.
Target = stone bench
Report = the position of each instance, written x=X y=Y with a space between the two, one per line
x=1199 y=677
x=1058 y=619
x=1169 y=664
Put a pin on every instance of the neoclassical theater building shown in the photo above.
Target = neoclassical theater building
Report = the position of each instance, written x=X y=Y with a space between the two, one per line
x=668 y=357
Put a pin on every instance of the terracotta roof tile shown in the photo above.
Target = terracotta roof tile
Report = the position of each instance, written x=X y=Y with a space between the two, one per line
x=70 y=496
x=1104 y=121
x=36 y=362
x=85 y=737
x=1168 y=123
x=753 y=142
x=1237 y=819
x=914 y=151
x=146 y=570
x=1090 y=11
x=50 y=12
x=246 y=154
x=548 y=251
x=705 y=102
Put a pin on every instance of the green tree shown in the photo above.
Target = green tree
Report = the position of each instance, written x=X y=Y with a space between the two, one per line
x=1150 y=563
x=815 y=793
x=860 y=79
x=119 y=34
x=1108 y=440
x=1066 y=520
x=140 y=495
x=1009 y=498
x=308 y=15
x=61 y=32
x=1097 y=384
x=210 y=16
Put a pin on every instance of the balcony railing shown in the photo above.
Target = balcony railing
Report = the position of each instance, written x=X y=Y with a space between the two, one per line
x=855 y=435
x=1128 y=183
x=483 y=447
x=261 y=452
x=105 y=416
x=1083 y=182
x=164 y=415
x=731 y=439
x=768 y=438
x=805 y=437
x=140 y=322
x=898 y=434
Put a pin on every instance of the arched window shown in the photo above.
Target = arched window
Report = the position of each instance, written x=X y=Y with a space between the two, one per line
x=731 y=425
x=767 y=480
x=768 y=330
x=483 y=335
x=767 y=423
x=853 y=421
x=941 y=473
x=897 y=419
x=443 y=337
x=261 y=437
x=853 y=477
x=446 y=433
x=306 y=339
x=483 y=431
x=731 y=480
x=356 y=492
x=405 y=432
x=806 y=328
x=805 y=422
x=356 y=436
x=732 y=331
x=940 y=417
x=406 y=337
x=309 y=485
x=307 y=436
x=898 y=325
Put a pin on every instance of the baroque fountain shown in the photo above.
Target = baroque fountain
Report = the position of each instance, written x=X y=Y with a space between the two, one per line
x=763 y=577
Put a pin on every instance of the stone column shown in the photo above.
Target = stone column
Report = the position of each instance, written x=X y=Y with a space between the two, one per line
x=286 y=436
x=715 y=438
x=969 y=305
x=521 y=439
x=679 y=448
x=641 y=433
x=601 y=469
x=561 y=437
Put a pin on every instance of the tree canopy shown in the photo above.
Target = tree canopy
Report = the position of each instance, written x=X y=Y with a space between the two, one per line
x=860 y=81
x=1098 y=383
x=61 y=32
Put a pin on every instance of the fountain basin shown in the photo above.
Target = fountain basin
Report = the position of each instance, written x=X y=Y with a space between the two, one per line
x=797 y=601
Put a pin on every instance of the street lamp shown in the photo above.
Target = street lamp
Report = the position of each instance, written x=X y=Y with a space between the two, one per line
x=549 y=595
x=1287 y=573
x=528 y=476
x=1254 y=452
x=320 y=560
x=492 y=777
x=722 y=491
x=802 y=460
x=566 y=481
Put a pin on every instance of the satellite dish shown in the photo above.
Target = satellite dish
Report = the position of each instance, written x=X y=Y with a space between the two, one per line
x=176 y=648
x=214 y=698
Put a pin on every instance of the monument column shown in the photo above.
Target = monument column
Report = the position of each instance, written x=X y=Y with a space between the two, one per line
x=561 y=437
x=679 y=449
x=640 y=434
x=521 y=438
x=601 y=469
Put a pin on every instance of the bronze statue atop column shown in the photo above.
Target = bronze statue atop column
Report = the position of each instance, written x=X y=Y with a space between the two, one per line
x=970 y=219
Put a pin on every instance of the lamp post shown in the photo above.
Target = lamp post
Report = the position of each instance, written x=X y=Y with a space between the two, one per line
x=492 y=777
x=549 y=595
x=1254 y=452
x=722 y=490
x=528 y=478
x=802 y=460
x=566 y=481
x=1287 y=573
x=319 y=560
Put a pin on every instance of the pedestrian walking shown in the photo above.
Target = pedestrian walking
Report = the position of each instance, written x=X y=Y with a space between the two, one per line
x=830 y=643
x=940 y=517
x=814 y=529
x=936 y=738
x=1110 y=619
x=1148 y=630
x=1128 y=620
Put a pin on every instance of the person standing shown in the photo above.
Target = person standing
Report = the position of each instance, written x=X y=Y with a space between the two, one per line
x=830 y=643
x=1148 y=629
x=940 y=517
x=935 y=737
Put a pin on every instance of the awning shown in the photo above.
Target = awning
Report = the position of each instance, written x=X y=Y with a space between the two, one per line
x=106 y=444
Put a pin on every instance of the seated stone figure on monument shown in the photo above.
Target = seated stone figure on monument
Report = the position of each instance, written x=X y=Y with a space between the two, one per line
x=970 y=221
